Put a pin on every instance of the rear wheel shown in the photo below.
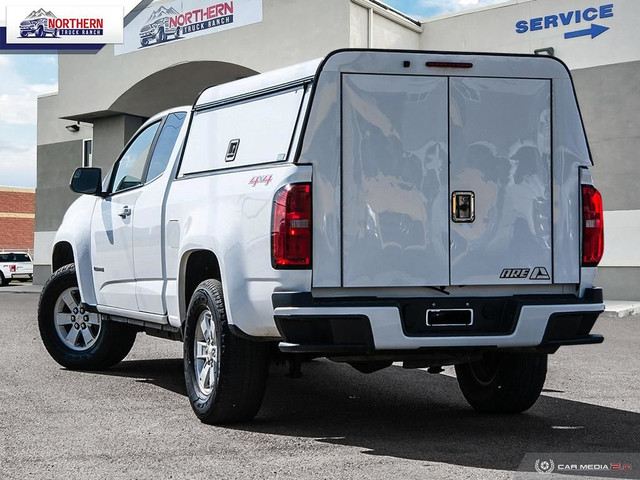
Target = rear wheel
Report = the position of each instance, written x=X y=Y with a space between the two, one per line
x=77 y=338
x=503 y=382
x=4 y=281
x=225 y=375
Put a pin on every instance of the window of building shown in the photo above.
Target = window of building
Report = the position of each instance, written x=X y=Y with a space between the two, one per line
x=87 y=152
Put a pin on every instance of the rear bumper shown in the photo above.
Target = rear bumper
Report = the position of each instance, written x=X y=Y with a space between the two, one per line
x=366 y=326
x=21 y=276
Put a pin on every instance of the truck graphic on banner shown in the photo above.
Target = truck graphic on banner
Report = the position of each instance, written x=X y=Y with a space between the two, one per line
x=37 y=24
x=158 y=28
x=167 y=21
x=41 y=23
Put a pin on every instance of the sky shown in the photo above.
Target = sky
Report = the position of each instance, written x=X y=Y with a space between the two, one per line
x=421 y=9
x=24 y=77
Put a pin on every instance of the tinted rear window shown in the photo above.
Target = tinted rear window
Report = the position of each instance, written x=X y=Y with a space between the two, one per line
x=14 y=257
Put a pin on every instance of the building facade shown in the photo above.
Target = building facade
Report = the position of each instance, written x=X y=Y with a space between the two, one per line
x=17 y=217
x=165 y=63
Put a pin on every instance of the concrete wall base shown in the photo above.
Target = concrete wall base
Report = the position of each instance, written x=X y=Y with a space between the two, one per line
x=619 y=283
x=41 y=273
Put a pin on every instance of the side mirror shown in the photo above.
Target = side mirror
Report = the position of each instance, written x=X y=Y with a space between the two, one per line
x=87 y=180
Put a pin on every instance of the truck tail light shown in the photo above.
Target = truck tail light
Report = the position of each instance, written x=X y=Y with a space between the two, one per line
x=291 y=227
x=12 y=268
x=592 y=226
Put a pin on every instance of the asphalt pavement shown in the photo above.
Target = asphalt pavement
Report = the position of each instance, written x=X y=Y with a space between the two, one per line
x=134 y=421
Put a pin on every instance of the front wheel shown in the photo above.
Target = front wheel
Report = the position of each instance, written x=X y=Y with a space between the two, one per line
x=74 y=337
x=4 y=281
x=503 y=382
x=225 y=375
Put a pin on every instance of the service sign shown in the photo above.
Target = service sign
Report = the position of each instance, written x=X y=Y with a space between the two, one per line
x=50 y=25
x=164 y=23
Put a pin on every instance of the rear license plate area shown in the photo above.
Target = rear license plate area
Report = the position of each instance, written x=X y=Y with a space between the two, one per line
x=450 y=317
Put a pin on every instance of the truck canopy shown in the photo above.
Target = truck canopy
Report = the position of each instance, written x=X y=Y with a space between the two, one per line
x=444 y=169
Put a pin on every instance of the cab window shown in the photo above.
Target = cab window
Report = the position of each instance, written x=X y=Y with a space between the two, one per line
x=129 y=171
x=164 y=145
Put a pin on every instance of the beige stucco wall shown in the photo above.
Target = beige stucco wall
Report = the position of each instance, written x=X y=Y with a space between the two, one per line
x=290 y=32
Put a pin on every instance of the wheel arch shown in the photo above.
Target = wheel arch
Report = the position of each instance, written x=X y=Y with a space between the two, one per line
x=67 y=251
x=61 y=255
x=195 y=267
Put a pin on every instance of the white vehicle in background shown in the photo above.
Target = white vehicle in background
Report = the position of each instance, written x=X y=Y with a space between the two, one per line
x=373 y=207
x=15 y=266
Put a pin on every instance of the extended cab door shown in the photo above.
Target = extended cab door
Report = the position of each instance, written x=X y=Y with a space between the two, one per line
x=148 y=232
x=112 y=225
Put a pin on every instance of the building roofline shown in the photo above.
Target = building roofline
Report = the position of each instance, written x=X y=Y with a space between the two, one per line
x=17 y=189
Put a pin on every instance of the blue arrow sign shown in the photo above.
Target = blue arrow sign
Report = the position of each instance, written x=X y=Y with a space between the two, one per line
x=594 y=31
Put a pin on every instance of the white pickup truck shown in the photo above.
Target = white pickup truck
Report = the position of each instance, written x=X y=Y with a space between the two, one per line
x=15 y=266
x=371 y=207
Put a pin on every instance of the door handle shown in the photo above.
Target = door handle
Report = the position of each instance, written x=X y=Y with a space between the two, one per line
x=463 y=207
x=126 y=211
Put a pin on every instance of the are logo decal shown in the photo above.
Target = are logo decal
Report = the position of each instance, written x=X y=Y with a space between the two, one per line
x=538 y=273
x=515 y=273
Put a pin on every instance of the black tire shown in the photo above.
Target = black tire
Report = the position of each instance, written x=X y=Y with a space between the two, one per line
x=239 y=367
x=177 y=32
x=112 y=340
x=24 y=34
x=144 y=42
x=40 y=31
x=160 y=36
x=4 y=281
x=503 y=382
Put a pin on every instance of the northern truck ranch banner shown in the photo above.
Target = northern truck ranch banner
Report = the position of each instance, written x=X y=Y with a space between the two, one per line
x=55 y=25
x=164 y=23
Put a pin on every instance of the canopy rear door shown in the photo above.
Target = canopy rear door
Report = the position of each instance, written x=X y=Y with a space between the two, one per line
x=394 y=181
x=500 y=133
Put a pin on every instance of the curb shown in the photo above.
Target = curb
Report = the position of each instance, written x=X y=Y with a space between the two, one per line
x=620 y=309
